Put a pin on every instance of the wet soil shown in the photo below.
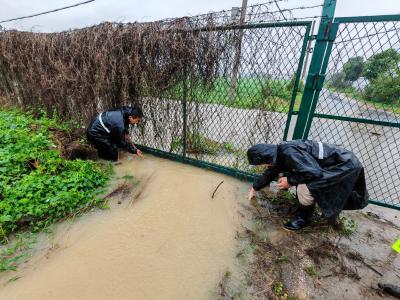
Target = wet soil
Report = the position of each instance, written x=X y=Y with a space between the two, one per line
x=319 y=262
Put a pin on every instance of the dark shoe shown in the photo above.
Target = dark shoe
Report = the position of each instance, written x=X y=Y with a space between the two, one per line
x=297 y=223
x=302 y=218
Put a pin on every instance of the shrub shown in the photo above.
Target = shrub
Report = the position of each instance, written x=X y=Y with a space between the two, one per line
x=380 y=63
x=290 y=85
x=338 y=81
x=385 y=88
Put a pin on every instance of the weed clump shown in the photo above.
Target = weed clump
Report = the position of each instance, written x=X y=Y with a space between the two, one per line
x=37 y=185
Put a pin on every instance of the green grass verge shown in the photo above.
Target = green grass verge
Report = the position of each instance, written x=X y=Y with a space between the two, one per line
x=37 y=186
x=251 y=93
x=197 y=143
x=12 y=254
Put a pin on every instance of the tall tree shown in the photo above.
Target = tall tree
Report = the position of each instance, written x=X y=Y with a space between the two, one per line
x=380 y=63
x=353 y=68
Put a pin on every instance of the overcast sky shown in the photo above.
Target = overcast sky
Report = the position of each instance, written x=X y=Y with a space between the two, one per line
x=147 y=10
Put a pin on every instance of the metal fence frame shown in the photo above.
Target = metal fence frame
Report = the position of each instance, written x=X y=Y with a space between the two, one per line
x=324 y=41
x=216 y=167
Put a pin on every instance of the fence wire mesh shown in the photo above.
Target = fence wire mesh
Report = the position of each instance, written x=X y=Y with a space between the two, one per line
x=359 y=106
x=246 y=100
x=214 y=84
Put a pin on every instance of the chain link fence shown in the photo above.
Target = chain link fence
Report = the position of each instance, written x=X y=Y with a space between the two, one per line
x=214 y=84
x=359 y=105
x=246 y=101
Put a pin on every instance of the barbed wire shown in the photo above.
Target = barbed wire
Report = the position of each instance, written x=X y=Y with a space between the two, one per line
x=256 y=13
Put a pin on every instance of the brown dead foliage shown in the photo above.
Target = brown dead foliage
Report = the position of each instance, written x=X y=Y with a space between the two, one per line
x=80 y=72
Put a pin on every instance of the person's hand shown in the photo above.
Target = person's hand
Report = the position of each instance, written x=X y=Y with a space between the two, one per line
x=251 y=193
x=283 y=183
x=139 y=153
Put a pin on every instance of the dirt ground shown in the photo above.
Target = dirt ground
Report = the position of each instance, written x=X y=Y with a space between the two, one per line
x=72 y=145
x=319 y=262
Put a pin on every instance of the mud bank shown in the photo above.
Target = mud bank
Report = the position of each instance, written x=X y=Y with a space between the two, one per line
x=168 y=239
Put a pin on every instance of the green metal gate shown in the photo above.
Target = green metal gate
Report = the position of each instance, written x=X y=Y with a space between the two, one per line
x=352 y=98
x=212 y=124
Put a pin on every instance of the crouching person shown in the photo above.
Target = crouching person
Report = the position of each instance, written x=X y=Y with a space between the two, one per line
x=109 y=131
x=322 y=173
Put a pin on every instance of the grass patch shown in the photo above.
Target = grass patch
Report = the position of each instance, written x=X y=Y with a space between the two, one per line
x=251 y=93
x=37 y=186
x=311 y=270
x=12 y=254
x=197 y=143
x=283 y=259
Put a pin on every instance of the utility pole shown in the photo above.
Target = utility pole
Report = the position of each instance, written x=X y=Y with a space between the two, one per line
x=238 y=47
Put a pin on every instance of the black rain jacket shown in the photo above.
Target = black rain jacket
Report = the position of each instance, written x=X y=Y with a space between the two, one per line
x=116 y=125
x=334 y=176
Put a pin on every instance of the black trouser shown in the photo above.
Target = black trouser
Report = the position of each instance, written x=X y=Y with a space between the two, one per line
x=105 y=148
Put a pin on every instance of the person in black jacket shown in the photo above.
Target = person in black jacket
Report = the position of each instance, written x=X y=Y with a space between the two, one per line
x=322 y=173
x=109 y=131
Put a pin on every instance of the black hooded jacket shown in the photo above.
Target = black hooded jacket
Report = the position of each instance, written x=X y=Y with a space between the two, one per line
x=334 y=176
x=116 y=126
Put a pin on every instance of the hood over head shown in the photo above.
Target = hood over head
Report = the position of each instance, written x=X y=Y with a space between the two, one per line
x=262 y=154
x=131 y=111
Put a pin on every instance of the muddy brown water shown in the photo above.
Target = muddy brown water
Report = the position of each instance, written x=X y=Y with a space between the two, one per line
x=174 y=242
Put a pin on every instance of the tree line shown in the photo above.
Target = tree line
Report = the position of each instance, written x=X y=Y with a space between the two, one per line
x=381 y=75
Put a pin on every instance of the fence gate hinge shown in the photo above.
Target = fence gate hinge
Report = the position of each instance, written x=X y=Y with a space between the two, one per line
x=329 y=32
x=315 y=81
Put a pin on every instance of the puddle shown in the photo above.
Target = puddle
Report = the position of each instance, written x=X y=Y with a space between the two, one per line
x=173 y=242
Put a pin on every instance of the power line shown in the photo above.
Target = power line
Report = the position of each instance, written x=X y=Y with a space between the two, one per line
x=47 y=12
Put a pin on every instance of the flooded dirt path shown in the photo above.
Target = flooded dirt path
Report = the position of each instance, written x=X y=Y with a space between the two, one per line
x=174 y=242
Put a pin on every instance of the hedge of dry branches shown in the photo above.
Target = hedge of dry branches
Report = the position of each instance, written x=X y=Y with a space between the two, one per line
x=80 y=72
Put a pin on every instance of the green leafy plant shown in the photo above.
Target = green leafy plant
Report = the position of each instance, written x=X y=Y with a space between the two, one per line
x=251 y=92
x=338 y=81
x=346 y=226
x=290 y=86
x=278 y=288
x=37 y=186
x=385 y=88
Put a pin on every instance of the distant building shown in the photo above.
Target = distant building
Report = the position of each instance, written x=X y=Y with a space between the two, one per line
x=360 y=84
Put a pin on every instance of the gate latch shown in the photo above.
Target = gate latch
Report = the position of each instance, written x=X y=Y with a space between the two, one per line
x=315 y=81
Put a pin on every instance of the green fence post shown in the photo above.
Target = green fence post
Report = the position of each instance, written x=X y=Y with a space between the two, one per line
x=316 y=76
x=297 y=80
x=184 y=111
